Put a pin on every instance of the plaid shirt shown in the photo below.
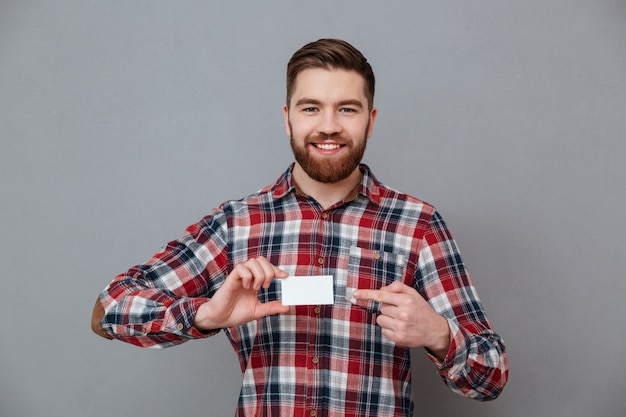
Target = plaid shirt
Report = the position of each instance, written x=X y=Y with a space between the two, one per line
x=329 y=360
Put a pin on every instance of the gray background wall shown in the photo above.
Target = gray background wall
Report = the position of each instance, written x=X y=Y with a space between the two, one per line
x=123 y=122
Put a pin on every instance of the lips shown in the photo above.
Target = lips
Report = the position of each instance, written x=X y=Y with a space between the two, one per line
x=327 y=146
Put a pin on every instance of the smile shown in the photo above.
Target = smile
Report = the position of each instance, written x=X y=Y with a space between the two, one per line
x=327 y=146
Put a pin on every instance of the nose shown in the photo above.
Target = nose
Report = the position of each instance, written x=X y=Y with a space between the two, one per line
x=329 y=124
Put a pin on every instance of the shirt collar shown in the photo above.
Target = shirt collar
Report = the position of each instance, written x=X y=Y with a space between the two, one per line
x=369 y=187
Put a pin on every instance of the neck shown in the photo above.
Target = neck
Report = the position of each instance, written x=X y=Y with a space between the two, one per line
x=326 y=194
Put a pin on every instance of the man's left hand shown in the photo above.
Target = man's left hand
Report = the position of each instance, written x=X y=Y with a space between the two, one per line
x=407 y=319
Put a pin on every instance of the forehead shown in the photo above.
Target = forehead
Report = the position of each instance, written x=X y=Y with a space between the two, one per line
x=329 y=84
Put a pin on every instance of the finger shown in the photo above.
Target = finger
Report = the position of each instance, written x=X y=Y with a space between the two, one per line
x=389 y=310
x=243 y=274
x=371 y=295
x=269 y=271
x=259 y=269
x=393 y=336
x=381 y=296
x=390 y=330
x=385 y=321
x=406 y=294
x=395 y=330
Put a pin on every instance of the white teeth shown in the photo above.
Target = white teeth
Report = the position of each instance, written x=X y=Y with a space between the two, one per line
x=327 y=146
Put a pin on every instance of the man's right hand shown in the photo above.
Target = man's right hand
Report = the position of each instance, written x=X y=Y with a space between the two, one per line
x=236 y=302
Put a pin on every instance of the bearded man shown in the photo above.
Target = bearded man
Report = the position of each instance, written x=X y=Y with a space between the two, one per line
x=397 y=280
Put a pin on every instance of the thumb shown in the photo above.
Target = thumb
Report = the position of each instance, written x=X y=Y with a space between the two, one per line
x=279 y=273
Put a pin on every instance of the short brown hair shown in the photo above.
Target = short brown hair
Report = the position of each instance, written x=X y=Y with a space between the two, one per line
x=331 y=54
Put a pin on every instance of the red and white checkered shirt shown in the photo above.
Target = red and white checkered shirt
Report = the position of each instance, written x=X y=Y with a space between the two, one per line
x=329 y=360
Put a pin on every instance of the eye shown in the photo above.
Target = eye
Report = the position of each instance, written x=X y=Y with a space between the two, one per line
x=309 y=109
x=347 y=110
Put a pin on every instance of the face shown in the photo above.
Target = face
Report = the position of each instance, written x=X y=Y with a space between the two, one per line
x=329 y=122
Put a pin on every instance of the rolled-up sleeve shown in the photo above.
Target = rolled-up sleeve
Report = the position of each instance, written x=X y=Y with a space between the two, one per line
x=154 y=304
x=476 y=365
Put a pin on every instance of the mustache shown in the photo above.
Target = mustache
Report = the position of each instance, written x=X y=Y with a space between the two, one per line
x=334 y=137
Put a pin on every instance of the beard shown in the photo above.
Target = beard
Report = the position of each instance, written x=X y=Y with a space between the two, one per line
x=332 y=169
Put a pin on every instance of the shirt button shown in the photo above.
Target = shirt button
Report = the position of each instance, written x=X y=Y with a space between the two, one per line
x=320 y=261
x=317 y=310
x=377 y=255
x=180 y=326
x=312 y=413
x=324 y=215
x=315 y=360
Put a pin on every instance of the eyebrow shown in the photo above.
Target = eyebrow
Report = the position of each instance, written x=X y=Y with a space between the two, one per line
x=351 y=102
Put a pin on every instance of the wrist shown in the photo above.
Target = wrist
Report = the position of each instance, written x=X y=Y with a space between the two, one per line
x=202 y=321
x=441 y=341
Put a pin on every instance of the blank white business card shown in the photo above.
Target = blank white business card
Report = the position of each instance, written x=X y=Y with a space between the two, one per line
x=307 y=290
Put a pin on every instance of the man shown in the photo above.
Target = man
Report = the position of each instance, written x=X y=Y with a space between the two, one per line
x=398 y=279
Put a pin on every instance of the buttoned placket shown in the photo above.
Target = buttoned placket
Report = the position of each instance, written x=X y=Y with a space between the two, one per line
x=323 y=233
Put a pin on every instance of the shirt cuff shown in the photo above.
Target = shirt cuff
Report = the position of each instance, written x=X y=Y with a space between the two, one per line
x=456 y=353
x=182 y=318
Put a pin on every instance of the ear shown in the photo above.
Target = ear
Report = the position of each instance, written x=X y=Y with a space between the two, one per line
x=286 y=116
x=373 y=114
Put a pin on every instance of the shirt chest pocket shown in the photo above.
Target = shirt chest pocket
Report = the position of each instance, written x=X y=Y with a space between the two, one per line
x=371 y=269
